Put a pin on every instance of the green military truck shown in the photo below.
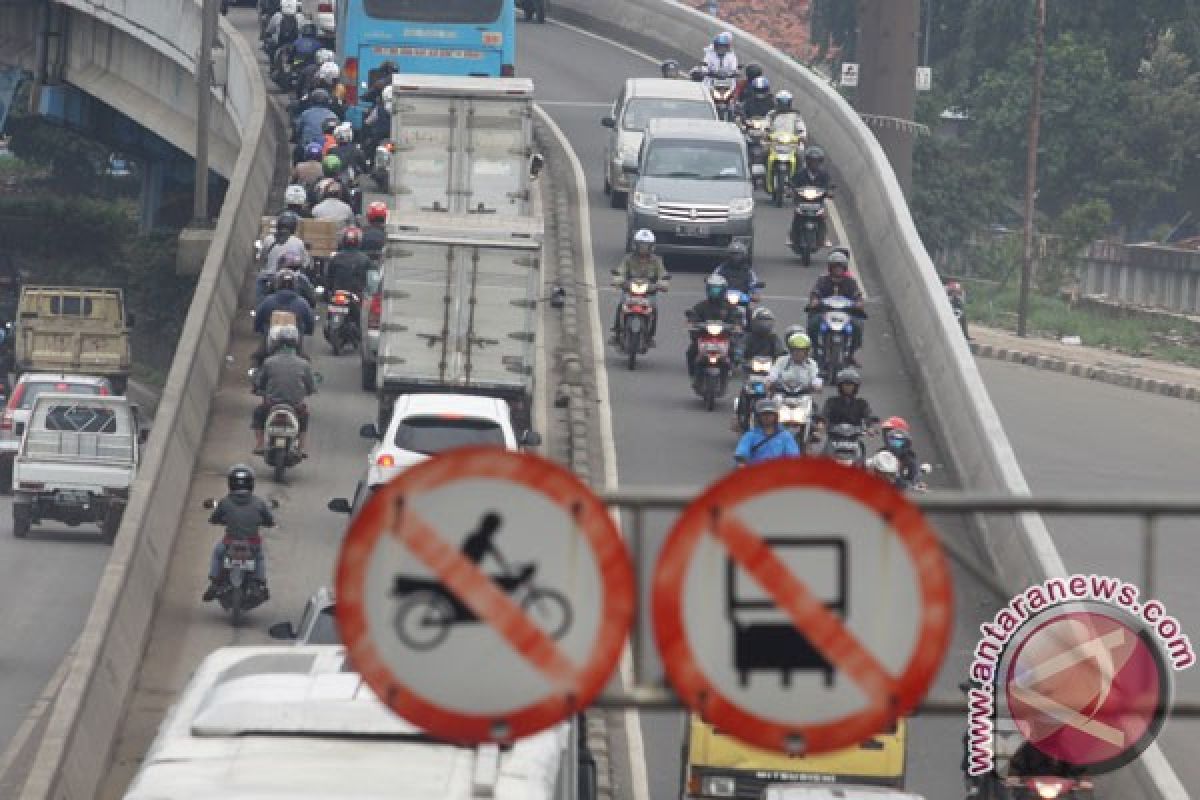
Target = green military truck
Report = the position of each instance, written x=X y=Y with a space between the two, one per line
x=76 y=329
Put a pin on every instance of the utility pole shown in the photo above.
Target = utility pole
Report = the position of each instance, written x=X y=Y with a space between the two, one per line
x=208 y=35
x=887 y=55
x=1031 y=160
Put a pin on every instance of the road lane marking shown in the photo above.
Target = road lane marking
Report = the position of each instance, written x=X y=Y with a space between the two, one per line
x=633 y=726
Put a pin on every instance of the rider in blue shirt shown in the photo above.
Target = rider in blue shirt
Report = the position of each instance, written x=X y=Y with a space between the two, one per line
x=768 y=440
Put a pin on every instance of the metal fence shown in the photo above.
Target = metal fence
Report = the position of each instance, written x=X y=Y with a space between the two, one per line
x=635 y=505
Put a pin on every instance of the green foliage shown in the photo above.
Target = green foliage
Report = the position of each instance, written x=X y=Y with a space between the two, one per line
x=75 y=162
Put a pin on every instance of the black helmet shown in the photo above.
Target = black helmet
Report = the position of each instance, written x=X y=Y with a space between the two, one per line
x=816 y=154
x=698 y=74
x=762 y=321
x=320 y=97
x=753 y=71
x=288 y=221
x=670 y=68
x=738 y=252
x=240 y=478
x=285 y=279
x=850 y=376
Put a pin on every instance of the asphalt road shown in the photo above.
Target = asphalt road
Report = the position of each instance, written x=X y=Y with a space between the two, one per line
x=663 y=436
x=1086 y=437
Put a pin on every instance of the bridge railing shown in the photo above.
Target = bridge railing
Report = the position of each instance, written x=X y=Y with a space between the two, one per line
x=82 y=728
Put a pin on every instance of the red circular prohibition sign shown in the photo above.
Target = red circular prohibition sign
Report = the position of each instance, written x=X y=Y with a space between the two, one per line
x=889 y=696
x=570 y=688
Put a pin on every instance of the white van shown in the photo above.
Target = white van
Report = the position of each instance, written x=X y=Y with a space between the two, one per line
x=296 y=722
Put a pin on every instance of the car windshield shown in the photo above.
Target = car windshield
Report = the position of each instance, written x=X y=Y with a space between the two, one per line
x=641 y=110
x=461 y=12
x=435 y=434
x=701 y=160
x=35 y=388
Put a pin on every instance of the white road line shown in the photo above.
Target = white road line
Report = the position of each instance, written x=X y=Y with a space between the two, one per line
x=633 y=724
x=39 y=709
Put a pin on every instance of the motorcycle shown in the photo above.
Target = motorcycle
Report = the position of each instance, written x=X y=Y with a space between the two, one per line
x=796 y=412
x=756 y=130
x=753 y=390
x=722 y=89
x=845 y=444
x=710 y=378
x=381 y=165
x=238 y=590
x=781 y=164
x=960 y=313
x=835 y=333
x=282 y=437
x=808 y=222
x=341 y=321
x=535 y=10
x=636 y=319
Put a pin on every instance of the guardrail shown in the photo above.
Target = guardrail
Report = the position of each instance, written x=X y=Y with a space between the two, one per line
x=881 y=227
x=81 y=733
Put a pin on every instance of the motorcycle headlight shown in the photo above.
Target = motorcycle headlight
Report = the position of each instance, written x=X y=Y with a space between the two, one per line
x=646 y=201
x=741 y=206
x=811 y=194
x=1047 y=791
x=639 y=287
x=760 y=364
x=714 y=329
x=718 y=786
x=733 y=297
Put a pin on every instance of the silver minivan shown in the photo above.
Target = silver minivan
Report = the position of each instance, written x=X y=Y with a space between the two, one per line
x=693 y=188
x=641 y=100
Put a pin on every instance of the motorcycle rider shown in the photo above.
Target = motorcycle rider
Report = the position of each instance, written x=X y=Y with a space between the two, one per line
x=837 y=282
x=641 y=264
x=350 y=153
x=284 y=240
x=284 y=298
x=308 y=169
x=333 y=207
x=737 y=271
x=846 y=407
x=283 y=29
x=307 y=44
x=285 y=377
x=307 y=81
x=762 y=339
x=309 y=126
x=712 y=308
x=797 y=368
x=760 y=102
x=767 y=440
x=814 y=173
x=698 y=74
x=295 y=199
x=897 y=440
x=349 y=266
x=719 y=57
x=958 y=301
x=752 y=71
x=670 y=69
x=242 y=513
x=375 y=236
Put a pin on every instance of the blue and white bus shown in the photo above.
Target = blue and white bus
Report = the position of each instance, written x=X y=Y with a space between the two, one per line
x=432 y=37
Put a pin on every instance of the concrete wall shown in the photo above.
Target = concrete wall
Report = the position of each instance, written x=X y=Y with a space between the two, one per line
x=1158 y=277
x=886 y=240
x=81 y=732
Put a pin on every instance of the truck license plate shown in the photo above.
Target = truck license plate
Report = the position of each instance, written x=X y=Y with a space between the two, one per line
x=71 y=498
x=692 y=231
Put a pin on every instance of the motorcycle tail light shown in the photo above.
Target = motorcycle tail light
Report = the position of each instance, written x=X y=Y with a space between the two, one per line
x=324 y=8
x=340 y=298
x=350 y=80
x=375 y=312
x=385 y=460
x=713 y=358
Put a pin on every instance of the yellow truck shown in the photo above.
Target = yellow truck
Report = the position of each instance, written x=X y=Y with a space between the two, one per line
x=75 y=329
x=719 y=767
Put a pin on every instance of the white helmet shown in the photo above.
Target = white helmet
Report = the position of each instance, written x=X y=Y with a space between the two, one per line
x=328 y=71
x=286 y=334
x=344 y=133
x=323 y=55
x=289 y=6
x=885 y=465
x=295 y=195
x=643 y=236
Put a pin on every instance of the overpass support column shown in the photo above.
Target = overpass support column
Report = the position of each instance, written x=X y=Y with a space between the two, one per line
x=887 y=54
x=153 y=176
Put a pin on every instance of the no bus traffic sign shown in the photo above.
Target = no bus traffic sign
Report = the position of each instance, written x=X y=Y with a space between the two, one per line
x=801 y=606
x=484 y=595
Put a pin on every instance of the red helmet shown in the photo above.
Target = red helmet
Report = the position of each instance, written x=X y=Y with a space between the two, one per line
x=352 y=237
x=377 y=213
x=895 y=424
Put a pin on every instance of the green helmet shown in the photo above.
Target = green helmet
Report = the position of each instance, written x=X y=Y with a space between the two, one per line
x=331 y=165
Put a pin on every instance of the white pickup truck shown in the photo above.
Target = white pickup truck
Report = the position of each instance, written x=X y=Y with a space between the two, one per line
x=77 y=461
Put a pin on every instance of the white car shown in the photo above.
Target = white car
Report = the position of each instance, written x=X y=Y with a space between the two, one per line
x=808 y=791
x=424 y=425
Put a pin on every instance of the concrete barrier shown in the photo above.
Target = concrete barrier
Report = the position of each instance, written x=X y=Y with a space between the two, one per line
x=886 y=242
x=81 y=733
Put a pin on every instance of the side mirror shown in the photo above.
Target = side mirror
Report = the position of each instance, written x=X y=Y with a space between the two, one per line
x=629 y=169
x=209 y=503
x=369 y=431
x=339 y=505
x=536 y=162
x=531 y=439
x=282 y=630
x=608 y=122
x=143 y=435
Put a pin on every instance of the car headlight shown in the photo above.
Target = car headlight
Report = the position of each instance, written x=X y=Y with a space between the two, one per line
x=718 y=786
x=645 y=200
x=741 y=206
